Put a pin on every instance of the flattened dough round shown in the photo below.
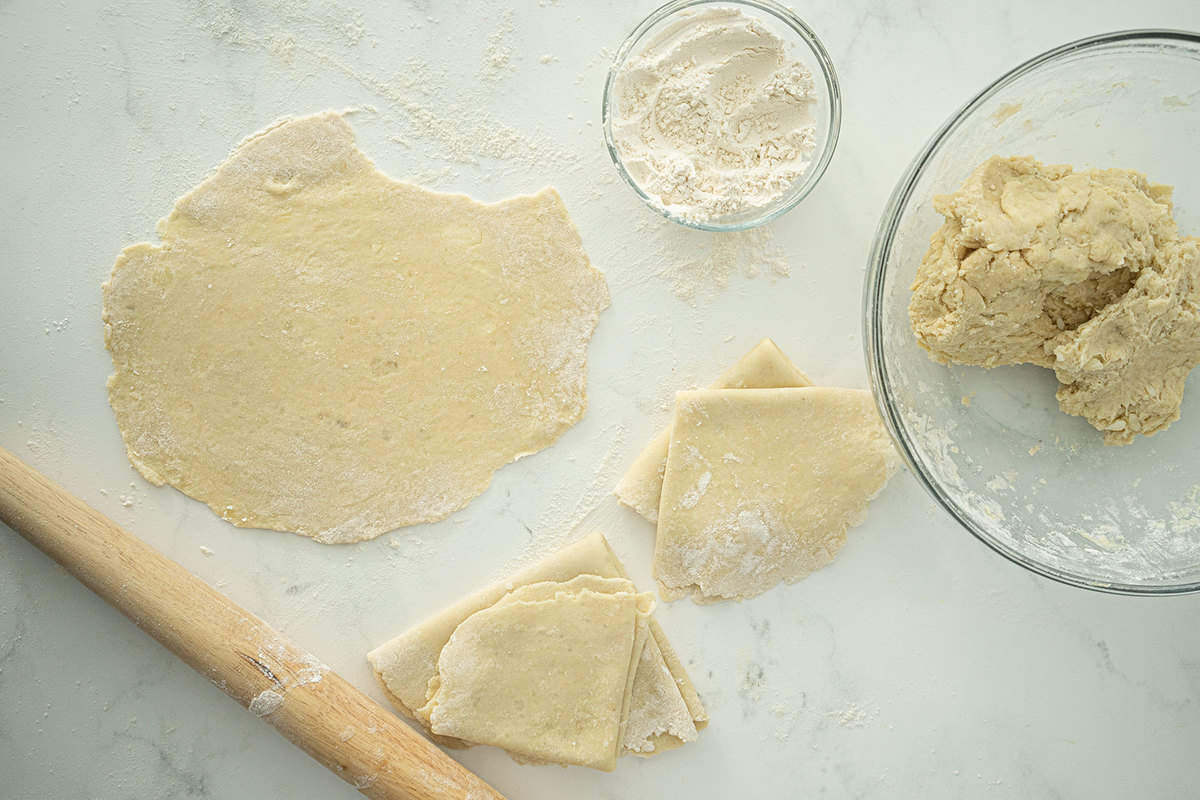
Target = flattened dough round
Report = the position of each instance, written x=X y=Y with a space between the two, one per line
x=317 y=348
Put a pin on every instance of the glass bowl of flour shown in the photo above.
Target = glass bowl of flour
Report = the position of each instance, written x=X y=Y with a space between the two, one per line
x=722 y=114
x=992 y=445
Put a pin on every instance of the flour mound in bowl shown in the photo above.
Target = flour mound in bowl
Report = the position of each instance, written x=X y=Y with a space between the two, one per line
x=317 y=348
x=1081 y=272
x=714 y=118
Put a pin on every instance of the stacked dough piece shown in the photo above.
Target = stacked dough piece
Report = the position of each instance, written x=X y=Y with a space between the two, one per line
x=758 y=479
x=562 y=663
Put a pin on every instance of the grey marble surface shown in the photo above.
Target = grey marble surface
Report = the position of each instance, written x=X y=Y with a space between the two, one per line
x=919 y=664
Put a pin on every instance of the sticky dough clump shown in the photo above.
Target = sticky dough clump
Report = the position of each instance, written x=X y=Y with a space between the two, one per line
x=1080 y=272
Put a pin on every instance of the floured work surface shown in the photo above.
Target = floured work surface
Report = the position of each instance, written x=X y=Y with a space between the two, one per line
x=317 y=348
x=534 y=665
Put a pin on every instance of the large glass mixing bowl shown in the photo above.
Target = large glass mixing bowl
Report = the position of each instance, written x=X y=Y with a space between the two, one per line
x=991 y=446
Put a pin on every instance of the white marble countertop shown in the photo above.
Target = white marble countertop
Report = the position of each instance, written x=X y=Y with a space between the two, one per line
x=919 y=664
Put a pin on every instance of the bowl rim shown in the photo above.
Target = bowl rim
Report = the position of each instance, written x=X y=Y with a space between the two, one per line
x=877 y=368
x=833 y=89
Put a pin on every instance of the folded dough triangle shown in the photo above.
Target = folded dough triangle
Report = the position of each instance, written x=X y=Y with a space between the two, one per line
x=761 y=485
x=546 y=673
x=764 y=367
x=664 y=711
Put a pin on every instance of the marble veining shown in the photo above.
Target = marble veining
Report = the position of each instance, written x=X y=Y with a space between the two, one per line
x=919 y=664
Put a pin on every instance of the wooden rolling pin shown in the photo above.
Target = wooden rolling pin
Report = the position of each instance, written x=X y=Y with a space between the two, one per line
x=339 y=726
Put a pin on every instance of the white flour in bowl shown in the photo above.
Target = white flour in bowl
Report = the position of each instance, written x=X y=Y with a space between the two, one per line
x=712 y=118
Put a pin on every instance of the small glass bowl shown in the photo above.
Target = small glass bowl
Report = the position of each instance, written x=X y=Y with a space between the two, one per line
x=991 y=445
x=809 y=51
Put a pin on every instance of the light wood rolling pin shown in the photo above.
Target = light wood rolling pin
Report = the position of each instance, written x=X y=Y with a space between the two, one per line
x=339 y=726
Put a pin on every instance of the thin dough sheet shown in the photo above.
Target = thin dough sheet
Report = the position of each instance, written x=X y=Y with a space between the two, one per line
x=762 y=484
x=665 y=709
x=546 y=673
x=317 y=348
x=764 y=367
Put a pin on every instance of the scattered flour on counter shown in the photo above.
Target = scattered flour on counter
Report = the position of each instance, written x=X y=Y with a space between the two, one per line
x=56 y=325
x=497 y=54
x=751 y=253
x=331 y=24
x=571 y=510
x=853 y=716
x=788 y=710
x=753 y=683
x=416 y=98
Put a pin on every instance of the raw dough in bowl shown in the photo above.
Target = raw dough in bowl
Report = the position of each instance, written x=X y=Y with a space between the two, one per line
x=1081 y=272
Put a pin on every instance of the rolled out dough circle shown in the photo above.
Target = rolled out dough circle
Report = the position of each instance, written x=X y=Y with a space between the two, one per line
x=317 y=348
